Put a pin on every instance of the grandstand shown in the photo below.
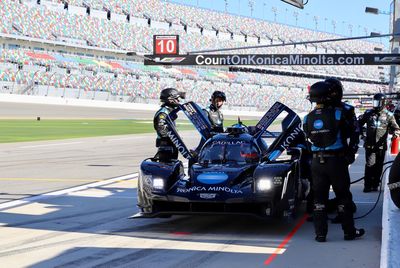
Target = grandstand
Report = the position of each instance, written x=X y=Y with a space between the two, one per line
x=77 y=49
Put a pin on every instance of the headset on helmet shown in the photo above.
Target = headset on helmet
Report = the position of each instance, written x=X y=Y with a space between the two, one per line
x=337 y=88
x=321 y=92
x=379 y=101
x=170 y=96
x=218 y=94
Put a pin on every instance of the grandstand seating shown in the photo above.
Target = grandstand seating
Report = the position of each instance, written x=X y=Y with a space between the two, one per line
x=41 y=22
x=142 y=82
x=50 y=21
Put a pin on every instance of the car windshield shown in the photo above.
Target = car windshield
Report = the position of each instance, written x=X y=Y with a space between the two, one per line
x=220 y=152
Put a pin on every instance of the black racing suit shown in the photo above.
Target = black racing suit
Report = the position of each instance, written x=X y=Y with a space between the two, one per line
x=216 y=118
x=354 y=139
x=350 y=153
x=354 y=133
x=166 y=149
x=378 y=124
x=305 y=166
x=328 y=130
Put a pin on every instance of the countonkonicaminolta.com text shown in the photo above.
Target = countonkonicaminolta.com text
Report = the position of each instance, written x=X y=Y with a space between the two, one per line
x=278 y=60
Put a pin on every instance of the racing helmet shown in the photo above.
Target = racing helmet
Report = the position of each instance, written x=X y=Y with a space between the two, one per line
x=217 y=94
x=321 y=92
x=379 y=101
x=170 y=96
x=337 y=89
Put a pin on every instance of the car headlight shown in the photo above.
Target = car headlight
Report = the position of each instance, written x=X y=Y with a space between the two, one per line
x=158 y=184
x=264 y=184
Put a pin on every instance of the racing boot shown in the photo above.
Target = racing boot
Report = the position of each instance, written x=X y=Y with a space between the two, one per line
x=320 y=238
x=375 y=188
x=367 y=189
x=320 y=222
x=338 y=218
x=357 y=233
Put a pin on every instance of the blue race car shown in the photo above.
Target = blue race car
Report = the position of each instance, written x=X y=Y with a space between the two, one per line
x=235 y=172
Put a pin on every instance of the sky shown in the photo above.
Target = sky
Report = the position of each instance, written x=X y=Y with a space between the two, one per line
x=343 y=12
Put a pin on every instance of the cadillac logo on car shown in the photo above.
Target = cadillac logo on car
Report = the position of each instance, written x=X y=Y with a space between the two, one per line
x=207 y=195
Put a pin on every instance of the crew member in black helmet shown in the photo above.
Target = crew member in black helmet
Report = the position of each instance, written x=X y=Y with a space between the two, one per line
x=379 y=122
x=169 y=98
x=349 y=115
x=354 y=139
x=213 y=111
x=328 y=132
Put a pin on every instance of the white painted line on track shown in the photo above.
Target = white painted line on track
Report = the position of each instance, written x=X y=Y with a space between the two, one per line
x=386 y=224
x=125 y=139
x=49 y=145
x=122 y=197
x=35 y=198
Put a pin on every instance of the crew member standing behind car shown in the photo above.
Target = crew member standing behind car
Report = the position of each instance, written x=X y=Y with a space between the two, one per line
x=214 y=113
x=215 y=117
x=328 y=131
x=350 y=117
x=378 y=123
x=169 y=98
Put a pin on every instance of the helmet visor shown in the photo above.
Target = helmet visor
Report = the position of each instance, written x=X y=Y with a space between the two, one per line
x=182 y=94
x=377 y=103
x=177 y=96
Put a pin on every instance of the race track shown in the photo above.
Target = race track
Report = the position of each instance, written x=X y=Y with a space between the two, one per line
x=9 y=110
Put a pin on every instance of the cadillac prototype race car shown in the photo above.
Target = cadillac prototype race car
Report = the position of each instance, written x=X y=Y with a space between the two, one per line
x=235 y=172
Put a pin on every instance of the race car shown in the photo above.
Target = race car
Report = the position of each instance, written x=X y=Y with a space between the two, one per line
x=235 y=172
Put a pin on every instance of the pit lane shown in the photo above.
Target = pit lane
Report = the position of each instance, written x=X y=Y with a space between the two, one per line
x=87 y=226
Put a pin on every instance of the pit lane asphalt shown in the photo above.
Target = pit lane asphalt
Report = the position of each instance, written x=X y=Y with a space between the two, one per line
x=89 y=227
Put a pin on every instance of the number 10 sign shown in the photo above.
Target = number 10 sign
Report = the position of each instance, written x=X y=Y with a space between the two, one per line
x=166 y=44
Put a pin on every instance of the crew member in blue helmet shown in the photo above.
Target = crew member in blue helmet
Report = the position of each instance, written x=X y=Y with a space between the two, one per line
x=169 y=98
x=328 y=130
